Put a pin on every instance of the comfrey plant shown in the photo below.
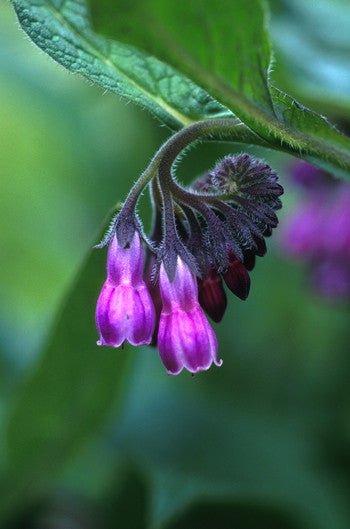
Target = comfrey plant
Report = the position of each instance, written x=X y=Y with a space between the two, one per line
x=318 y=230
x=210 y=232
x=205 y=73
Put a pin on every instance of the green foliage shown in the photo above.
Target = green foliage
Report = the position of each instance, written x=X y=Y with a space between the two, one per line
x=228 y=55
x=229 y=43
x=225 y=51
x=62 y=29
x=311 y=125
x=68 y=396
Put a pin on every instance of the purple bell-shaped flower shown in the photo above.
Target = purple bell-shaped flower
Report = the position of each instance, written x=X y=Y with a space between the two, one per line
x=185 y=338
x=125 y=310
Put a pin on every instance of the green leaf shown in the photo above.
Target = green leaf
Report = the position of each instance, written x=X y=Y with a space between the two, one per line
x=69 y=395
x=332 y=143
x=229 y=43
x=226 y=52
x=62 y=29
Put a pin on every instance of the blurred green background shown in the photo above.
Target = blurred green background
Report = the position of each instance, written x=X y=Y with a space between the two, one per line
x=95 y=439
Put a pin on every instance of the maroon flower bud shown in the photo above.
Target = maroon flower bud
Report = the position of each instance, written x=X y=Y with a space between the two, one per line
x=212 y=296
x=237 y=278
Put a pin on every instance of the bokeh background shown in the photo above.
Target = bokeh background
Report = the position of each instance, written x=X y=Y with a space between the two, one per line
x=262 y=442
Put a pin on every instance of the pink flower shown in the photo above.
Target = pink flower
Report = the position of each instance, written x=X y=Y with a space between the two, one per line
x=125 y=311
x=185 y=338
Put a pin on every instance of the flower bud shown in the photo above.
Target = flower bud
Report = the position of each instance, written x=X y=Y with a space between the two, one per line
x=212 y=296
x=125 y=311
x=185 y=339
x=237 y=278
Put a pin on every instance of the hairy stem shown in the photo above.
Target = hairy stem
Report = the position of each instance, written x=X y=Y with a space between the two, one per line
x=228 y=129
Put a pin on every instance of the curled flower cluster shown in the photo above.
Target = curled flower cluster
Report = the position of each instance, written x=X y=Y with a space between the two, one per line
x=200 y=237
x=318 y=230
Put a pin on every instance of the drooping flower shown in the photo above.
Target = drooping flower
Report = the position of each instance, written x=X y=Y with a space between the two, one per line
x=125 y=310
x=185 y=338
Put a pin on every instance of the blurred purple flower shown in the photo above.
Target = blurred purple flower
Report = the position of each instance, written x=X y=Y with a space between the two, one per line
x=185 y=339
x=332 y=278
x=125 y=310
x=300 y=234
x=309 y=176
x=318 y=230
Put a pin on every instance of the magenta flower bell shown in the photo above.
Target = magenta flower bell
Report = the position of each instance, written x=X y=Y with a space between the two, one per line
x=125 y=311
x=185 y=338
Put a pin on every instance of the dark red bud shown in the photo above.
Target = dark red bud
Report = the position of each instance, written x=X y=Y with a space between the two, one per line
x=211 y=295
x=237 y=279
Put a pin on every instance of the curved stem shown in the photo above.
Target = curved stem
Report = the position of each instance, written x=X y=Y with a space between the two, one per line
x=219 y=129
x=229 y=129
x=168 y=211
x=226 y=128
x=171 y=245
